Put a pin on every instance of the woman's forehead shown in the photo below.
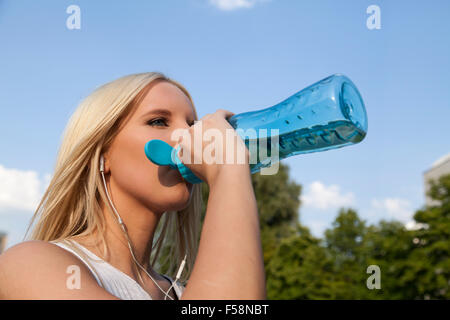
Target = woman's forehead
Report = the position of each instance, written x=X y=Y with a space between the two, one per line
x=165 y=96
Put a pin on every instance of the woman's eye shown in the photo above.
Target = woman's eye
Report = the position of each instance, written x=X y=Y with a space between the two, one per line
x=159 y=120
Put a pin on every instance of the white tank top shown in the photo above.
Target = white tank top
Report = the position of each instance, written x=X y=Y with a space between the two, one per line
x=109 y=277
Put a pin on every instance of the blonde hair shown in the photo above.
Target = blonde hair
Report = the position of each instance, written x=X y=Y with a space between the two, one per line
x=71 y=207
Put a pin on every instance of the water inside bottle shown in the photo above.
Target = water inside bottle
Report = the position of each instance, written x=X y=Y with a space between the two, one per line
x=335 y=134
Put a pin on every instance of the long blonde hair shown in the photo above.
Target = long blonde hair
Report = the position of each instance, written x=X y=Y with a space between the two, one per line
x=70 y=206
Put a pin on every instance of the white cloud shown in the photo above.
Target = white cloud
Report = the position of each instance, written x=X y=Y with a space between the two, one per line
x=228 y=5
x=20 y=190
x=323 y=197
x=396 y=208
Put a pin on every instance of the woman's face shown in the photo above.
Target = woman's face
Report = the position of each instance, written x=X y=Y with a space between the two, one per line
x=163 y=109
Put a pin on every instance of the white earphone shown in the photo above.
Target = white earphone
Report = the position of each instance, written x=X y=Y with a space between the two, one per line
x=122 y=225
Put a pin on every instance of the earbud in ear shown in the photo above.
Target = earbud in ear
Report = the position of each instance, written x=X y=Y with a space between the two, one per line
x=102 y=164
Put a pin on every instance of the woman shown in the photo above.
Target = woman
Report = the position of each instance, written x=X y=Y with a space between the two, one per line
x=95 y=226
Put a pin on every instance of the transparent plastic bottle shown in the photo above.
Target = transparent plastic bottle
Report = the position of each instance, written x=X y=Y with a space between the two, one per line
x=326 y=115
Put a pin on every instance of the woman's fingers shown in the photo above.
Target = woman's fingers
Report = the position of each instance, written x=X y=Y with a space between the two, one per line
x=225 y=113
x=213 y=147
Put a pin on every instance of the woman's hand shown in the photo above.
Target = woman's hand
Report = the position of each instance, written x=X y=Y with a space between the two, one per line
x=217 y=139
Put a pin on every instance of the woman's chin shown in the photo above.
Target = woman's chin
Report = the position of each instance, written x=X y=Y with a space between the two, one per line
x=178 y=189
x=182 y=195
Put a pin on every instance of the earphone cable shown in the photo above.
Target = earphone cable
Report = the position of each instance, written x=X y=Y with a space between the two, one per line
x=122 y=225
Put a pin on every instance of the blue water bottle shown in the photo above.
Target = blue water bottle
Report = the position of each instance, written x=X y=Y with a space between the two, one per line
x=326 y=115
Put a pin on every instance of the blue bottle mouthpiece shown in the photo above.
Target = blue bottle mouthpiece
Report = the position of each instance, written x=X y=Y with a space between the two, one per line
x=161 y=153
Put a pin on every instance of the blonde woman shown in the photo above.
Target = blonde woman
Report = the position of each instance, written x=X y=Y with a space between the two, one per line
x=94 y=231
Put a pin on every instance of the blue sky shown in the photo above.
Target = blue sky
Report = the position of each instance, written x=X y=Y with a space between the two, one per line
x=242 y=56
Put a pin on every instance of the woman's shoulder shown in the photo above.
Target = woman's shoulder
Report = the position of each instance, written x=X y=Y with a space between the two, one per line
x=35 y=251
x=23 y=252
x=26 y=246
x=42 y=270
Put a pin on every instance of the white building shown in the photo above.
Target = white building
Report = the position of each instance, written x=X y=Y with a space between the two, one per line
x=439 y=168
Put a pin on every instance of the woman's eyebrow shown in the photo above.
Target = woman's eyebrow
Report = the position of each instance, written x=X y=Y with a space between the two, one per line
x=158 y=111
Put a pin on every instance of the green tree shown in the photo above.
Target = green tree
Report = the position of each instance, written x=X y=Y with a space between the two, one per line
x=345 y=244
x=346 y=237
x=429 y=263
x=300 y=269
x=414 y=264
x=389 y=245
